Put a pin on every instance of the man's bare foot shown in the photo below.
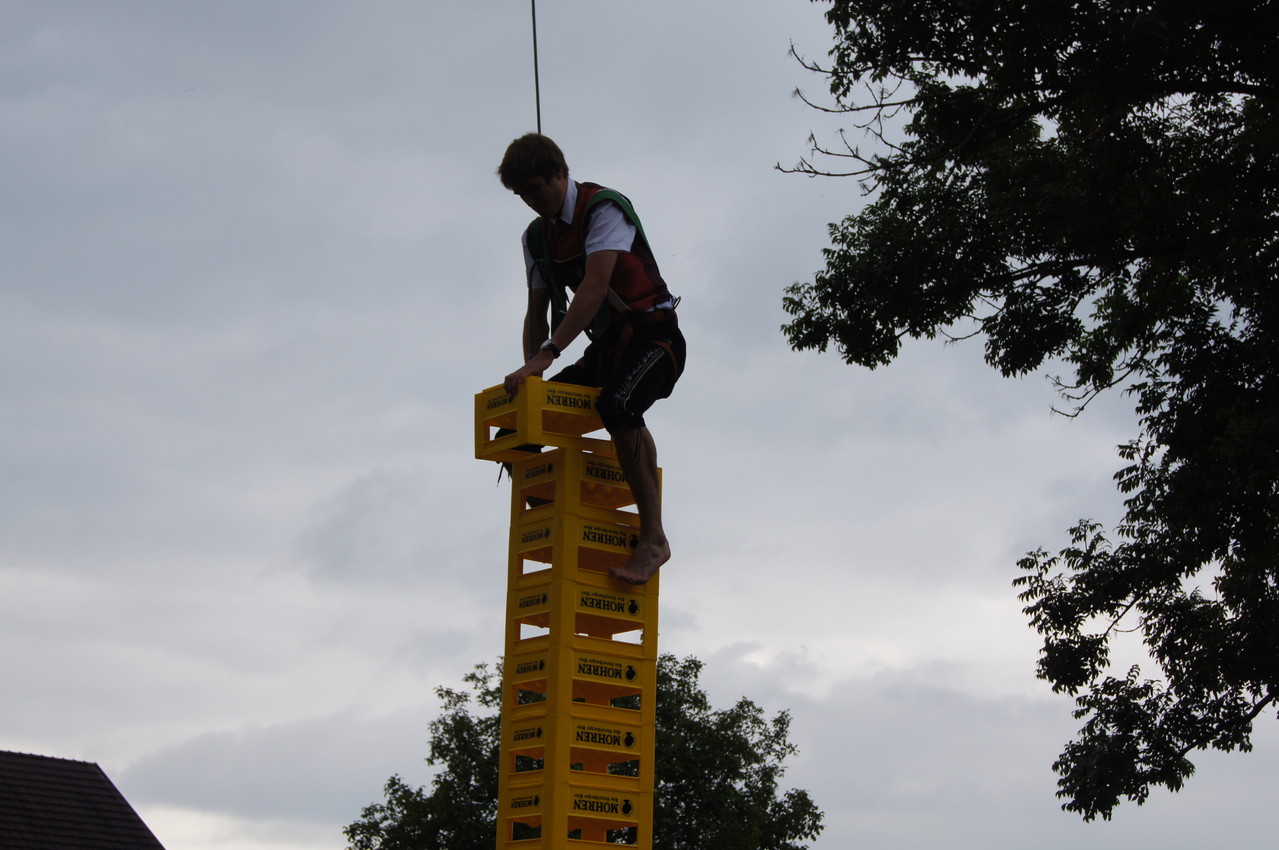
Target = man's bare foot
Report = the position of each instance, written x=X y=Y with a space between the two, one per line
x=644 y=564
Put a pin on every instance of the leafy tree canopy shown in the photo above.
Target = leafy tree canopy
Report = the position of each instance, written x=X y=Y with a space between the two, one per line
x=717 y=774
x=1091 y=184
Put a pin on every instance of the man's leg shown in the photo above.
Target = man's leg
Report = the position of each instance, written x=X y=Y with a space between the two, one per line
x=637 y=453
x=647 y=371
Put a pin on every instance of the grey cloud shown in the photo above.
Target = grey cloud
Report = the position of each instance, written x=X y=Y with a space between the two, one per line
x=312 y=769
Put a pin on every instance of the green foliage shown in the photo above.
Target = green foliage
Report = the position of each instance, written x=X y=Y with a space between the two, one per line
x=461 y=810
x=718 y=771
x=717 y=774
x=1092 y=184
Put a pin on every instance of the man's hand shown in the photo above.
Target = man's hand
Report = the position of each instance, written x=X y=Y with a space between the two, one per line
x=536 y=365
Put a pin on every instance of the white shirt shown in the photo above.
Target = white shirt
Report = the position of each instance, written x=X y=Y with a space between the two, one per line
x=608 y=231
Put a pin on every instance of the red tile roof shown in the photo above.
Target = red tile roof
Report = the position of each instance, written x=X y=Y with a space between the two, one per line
x=59 y=804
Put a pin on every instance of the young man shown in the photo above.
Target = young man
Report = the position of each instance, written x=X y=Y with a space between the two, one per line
x=587 y=240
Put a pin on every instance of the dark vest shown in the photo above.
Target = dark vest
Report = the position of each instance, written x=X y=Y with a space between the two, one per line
x=559 y=254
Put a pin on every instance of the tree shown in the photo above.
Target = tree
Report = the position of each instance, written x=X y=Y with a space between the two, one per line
x=460 y=813
x=716 y=773
x=1091 y=185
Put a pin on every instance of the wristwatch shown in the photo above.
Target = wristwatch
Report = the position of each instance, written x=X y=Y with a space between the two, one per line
x=550 y=346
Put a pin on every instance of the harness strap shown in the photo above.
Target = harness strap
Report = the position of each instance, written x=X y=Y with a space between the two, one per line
x=627 y=332
x=670 y=352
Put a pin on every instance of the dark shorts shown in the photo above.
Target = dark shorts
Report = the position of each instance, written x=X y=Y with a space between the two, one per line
x=646 y=368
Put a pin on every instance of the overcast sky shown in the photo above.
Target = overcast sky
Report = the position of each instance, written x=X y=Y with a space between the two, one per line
x=254 y=265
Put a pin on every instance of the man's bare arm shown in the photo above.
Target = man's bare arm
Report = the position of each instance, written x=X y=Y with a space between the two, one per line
x=536 y=326
x=587 y=299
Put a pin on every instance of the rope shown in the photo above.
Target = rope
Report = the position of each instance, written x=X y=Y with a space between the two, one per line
x=537 y=86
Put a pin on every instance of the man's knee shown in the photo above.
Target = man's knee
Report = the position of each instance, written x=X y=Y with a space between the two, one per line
x=615 y=416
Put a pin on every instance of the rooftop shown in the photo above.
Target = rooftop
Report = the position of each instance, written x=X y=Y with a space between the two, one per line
x=60 y=804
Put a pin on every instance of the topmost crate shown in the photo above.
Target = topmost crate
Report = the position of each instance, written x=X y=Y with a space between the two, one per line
x=543 y=413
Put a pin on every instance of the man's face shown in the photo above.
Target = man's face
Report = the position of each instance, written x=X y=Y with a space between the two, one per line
x=545 y=196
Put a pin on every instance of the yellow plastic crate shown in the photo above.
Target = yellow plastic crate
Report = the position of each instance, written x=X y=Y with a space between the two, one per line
x=586 y=681
x=587 y=615
x=591 y=816
x=613 y=754
x=568 y=480
x=543 y=413
x=581 y=548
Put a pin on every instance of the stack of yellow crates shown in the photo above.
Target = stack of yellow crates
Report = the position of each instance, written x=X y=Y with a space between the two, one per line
x=580 y=672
